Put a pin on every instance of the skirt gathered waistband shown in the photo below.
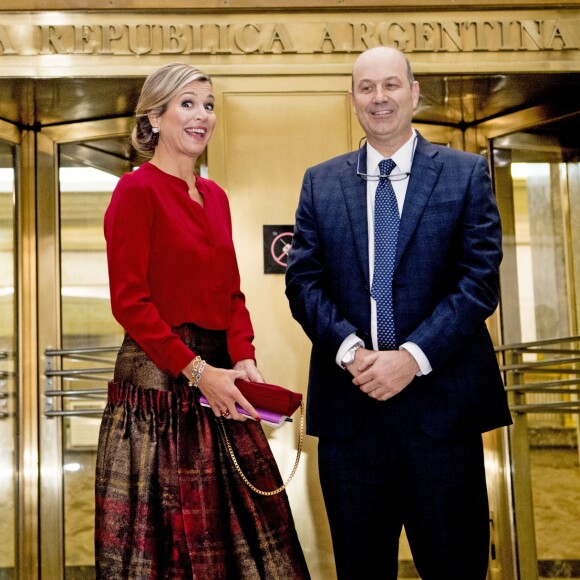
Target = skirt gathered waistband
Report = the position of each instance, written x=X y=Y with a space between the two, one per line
x=134 y=367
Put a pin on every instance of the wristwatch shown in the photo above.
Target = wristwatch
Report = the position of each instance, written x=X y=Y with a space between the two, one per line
x=348 y=358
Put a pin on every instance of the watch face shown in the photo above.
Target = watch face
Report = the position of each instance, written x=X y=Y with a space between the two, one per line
x=348 y=357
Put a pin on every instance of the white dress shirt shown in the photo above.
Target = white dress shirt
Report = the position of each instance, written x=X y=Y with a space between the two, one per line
x=403 y=159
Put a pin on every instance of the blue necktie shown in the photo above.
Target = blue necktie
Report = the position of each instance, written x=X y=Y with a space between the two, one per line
x=386 y=233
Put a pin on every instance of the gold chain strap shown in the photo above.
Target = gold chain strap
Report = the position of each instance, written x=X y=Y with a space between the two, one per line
x=239 y=469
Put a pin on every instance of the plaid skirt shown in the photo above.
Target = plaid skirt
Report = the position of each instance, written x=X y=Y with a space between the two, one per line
x=169 y=504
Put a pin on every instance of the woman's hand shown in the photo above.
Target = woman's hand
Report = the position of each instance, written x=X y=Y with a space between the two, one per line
x=248 y=365
x=217 y=386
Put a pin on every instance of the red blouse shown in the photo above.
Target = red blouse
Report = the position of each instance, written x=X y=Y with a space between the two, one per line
x=172 y=261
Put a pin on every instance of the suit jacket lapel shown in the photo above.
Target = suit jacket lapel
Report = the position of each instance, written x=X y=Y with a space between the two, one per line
x=354 y=191
x=424 y=174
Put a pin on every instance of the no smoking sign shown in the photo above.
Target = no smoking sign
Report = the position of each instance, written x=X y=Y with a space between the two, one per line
x=277 y=242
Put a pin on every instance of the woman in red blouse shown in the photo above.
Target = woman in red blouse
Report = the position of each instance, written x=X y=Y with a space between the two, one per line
x=168 y=502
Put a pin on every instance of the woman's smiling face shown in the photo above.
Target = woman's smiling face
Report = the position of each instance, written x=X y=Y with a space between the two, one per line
x=188 y=122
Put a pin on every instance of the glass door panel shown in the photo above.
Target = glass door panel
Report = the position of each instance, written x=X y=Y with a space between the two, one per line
x=81 y=164
x=537 y=186
x=8 y=366
x=87 y=326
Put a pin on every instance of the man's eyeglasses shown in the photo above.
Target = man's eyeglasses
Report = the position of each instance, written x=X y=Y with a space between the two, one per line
x=374 y=176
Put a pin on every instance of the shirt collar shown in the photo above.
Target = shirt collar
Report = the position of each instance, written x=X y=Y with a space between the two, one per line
x=403 y=157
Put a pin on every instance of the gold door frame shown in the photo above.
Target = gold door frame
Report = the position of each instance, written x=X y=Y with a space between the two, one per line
x=51 y=523
x=23 y=303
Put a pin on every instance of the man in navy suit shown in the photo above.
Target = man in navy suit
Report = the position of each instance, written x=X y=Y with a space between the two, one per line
x=400 y=426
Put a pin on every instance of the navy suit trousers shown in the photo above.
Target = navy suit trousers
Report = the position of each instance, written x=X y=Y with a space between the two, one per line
x=392 y=474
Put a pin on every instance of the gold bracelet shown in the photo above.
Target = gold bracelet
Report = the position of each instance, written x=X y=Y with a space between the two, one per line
x=198 y=378
x=196 y=370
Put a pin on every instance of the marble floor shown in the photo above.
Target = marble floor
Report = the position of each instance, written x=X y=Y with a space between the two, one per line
x=556 y=491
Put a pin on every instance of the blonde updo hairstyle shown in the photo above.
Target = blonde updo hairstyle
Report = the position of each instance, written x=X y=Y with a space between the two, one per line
x=158 y=89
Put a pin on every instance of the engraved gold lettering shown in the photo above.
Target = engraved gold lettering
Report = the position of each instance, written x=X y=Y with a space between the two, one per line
x=362 y=37
x=425 y=37
x=452 y=32
x=247 y=38
x=278 y=40
x=197 y=46
x=477 y=33
x=530 y=29
x=5 y=43
x=223 y=46
x=327 y=43
x=480 y=36
x=140 y=38
x=505 y=35
x=172 y=39
x=83 y=43
x=51 y=41
x=396 y=35
x=110 y=34
x=557 y=32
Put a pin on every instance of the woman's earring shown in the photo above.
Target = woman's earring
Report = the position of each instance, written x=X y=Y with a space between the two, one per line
x=155 y=136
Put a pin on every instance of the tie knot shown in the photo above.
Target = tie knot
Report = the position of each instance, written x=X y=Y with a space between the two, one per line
x=386 y=166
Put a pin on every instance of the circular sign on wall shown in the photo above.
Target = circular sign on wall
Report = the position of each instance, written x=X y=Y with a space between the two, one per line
x=277 y=243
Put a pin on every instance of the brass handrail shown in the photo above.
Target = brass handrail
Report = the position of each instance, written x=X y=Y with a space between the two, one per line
x=513 y=374
x=84 y=354
x=540 y=343
x=564 y=361
x=4 y=395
